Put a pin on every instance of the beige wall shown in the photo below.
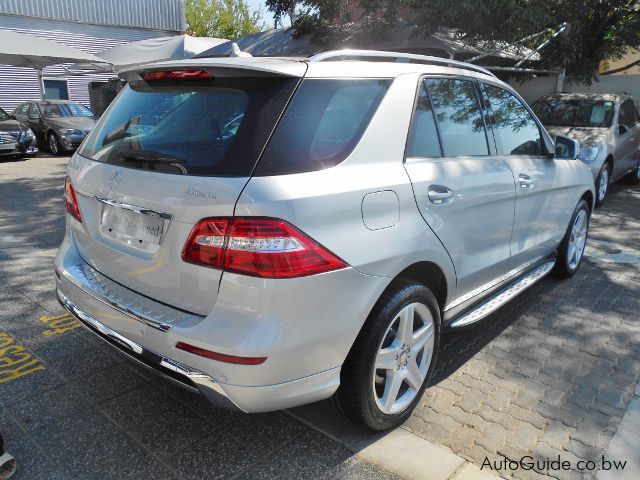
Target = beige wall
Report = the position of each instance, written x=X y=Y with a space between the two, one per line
x=626 y=60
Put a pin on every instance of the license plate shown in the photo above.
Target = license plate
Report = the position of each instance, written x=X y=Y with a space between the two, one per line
x=131 y=227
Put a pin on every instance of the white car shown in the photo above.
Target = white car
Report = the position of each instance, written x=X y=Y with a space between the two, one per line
x=273 y=232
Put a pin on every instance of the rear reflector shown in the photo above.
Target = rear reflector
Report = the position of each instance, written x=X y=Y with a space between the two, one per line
x=71 y=201
x=221 y=357
x=177 y=75
x=260 y=247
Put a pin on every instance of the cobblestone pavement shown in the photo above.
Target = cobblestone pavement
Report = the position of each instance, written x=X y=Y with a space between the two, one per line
x=550 y=374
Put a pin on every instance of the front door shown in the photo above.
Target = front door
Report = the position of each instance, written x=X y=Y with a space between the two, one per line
x=464 y=191
x=627 y=139
x=545 y=190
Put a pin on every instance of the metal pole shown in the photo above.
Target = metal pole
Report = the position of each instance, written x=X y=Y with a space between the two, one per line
x=560 y=80
x=40 y=83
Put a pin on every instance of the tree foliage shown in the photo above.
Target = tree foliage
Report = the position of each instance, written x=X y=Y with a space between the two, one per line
x=221 y=18
x=600 y=29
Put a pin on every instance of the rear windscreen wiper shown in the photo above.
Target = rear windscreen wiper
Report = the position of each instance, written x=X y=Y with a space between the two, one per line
x=147 y=157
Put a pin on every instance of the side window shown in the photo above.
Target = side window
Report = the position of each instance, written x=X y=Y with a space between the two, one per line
x=23 y=109
x=423 y=138
x=455 y=103
x=628 y=115
x=33 y=110
x=517 y=129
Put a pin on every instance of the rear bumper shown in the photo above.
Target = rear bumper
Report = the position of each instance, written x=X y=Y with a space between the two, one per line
x=305 y=346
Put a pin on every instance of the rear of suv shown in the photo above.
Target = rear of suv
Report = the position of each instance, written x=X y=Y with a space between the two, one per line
x=274 y=232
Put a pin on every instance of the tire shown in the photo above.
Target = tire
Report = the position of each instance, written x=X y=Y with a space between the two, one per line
x=571 y=250
x=361 y=395
x=602 y=183
x=54 y=144
x=633 y=177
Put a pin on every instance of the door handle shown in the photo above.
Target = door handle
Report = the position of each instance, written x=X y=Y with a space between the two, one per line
x=440 y=195
x=526 y=181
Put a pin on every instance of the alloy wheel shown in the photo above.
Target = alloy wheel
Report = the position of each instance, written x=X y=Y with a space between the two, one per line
x=403 y=358
x=603 y=184
x=578 y=239
x=53 y=144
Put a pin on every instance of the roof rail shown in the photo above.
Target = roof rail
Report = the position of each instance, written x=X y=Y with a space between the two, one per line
x=397 y=57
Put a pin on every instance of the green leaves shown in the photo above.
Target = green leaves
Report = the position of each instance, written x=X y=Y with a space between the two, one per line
x=229 y=19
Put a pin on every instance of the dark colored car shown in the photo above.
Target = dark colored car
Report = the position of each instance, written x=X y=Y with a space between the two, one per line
x=16 y=139
x=60 y=124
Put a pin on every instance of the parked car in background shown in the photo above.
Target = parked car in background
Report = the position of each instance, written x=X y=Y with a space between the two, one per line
x=16 y=139
x=272 y=232
x=607 y=127
x=62 y=125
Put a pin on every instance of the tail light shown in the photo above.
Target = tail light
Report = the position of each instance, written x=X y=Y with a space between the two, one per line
x=71 y=201
x=260 y=247
x=177 y=75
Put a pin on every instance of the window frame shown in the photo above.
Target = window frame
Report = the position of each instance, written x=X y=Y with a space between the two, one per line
x=57 y=79
x=491 y=145
x=548 y=143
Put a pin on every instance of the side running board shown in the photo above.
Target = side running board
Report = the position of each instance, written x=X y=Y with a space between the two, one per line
x=499 y=299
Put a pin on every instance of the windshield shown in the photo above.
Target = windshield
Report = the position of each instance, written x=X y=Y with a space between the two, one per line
x=574 y=113
x=214 y=127
x=57 y=110
x=3 y=115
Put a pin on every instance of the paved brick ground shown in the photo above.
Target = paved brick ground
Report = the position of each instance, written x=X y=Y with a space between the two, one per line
x=549 y=374
x=552 y=372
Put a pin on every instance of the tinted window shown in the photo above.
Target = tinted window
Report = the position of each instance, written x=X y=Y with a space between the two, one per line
x=57 y=110
x=628 y=115
x=423 y=138
x=33 y=110
x=457 y=110
x=517 y=129
x=322 y=125
x=195 y=127
x=574 y=112
x=22 y=109
x=3 y=115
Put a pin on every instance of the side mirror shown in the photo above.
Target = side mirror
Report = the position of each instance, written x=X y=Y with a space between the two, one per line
x=567 y=148
x=622 y=129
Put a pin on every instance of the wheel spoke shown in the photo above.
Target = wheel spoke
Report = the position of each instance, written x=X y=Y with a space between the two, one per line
x=572 y=251
x=391 y=388
x=414 y=376
x=420 y=338
x=386 y=359
x=405 y=325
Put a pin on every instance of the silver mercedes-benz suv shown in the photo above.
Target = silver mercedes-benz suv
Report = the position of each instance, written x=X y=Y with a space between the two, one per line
x=272 y=232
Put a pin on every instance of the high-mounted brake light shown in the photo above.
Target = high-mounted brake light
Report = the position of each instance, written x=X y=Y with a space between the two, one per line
x=71 y=201
x=177 y=75
x=260 y=247
x=221 y=357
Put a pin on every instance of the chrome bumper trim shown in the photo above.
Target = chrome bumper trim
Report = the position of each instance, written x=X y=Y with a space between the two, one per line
x=134 y=305
x=185 y=376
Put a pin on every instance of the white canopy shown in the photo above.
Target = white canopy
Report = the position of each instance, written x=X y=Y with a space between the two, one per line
x=151 y=50
x=22 y=50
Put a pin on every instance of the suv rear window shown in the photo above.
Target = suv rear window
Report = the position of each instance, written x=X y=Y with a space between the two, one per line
x=322 y=125
x=205 y=127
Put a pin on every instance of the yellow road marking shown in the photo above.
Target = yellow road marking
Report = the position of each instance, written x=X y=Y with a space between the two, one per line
x=60 y=324
x=15 y=360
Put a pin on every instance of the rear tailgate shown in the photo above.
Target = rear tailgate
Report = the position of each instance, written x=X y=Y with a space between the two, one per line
x=164 y=156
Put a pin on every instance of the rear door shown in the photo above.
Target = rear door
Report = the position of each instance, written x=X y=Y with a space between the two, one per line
x=545 y=189
x=464 y=191
x=36 y=121
x=166 y=154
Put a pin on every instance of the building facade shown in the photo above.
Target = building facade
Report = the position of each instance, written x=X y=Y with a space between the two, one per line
x=88 y=25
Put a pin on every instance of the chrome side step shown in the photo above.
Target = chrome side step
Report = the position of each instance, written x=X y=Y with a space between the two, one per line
x=499 y=299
